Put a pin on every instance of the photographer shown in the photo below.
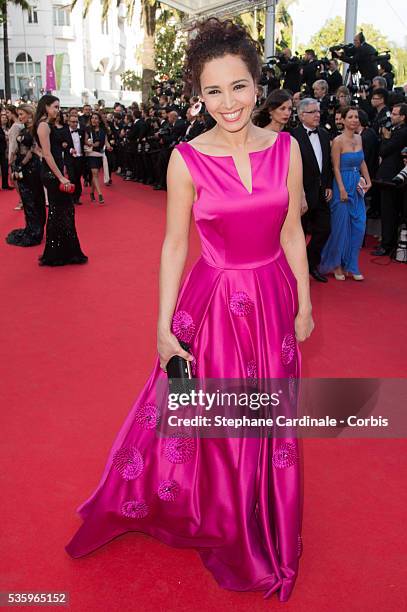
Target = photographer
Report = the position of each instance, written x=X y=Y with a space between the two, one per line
x=392 y=143
x=320 y=93
x=268 y=78
x=381 y=116
x=379 y=83
x=370 y=143
x=360 y=56
x=385 y=71
x=290 y=66
x=137 y=131
x=310 y=67
x=334 y=77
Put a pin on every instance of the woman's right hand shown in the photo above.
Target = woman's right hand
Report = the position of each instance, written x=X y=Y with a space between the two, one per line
x=66 y=183
x=168 y=346
x=343 y=194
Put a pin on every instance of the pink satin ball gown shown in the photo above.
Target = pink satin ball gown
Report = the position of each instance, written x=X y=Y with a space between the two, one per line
x=236 y=500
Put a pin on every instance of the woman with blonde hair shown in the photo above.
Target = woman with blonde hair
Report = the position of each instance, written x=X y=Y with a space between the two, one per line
x=25 y=171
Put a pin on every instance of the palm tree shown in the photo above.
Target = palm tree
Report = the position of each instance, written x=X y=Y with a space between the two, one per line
x=148 y=21
x=3 y=12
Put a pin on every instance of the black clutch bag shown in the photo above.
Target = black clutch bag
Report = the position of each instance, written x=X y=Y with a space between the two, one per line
x=178 y=367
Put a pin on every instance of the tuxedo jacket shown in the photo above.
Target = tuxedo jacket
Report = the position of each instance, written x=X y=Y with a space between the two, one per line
x=197 y=128
x=67 y=156
x=390 y=153
x=315 y=182
x=137 y=132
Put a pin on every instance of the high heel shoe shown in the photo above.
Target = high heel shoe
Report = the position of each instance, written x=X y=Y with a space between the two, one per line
x=339 y=277
x=101 y=200
x=92 y=196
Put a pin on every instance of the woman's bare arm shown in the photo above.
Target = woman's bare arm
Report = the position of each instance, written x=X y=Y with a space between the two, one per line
x=43 y=136
x=292 y=240
x=180 y=197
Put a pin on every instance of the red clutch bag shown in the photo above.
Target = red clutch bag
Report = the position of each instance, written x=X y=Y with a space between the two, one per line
x=64 y=189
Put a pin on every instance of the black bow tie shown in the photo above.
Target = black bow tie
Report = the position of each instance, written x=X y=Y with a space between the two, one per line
x=74 y=131
x=309 y=132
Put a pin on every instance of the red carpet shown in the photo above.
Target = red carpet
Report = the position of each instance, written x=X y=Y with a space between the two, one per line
x=77 y=346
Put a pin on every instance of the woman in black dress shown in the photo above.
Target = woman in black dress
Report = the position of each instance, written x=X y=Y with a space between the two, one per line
x=26 y=172
x=4 y=127
x=62 y=244
x=95 y=139
x=62 y=133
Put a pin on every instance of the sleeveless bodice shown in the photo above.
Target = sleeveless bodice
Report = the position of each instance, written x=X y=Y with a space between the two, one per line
x=56 y=148
x=239 y=229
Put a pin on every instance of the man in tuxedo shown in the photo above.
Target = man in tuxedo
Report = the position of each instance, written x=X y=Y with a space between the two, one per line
x=309 y=70
x=136 y=133
x=84 y=119
x=320 y=92
x=74 y=156
x=334 y=77
x=195 y=125
x=315 y=149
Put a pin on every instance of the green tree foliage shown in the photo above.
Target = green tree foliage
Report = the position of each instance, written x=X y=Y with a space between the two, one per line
x=170 y=44
x=333 y=33
x=130 y=80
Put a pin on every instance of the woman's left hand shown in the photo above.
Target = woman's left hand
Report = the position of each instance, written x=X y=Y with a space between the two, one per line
x=304 y=324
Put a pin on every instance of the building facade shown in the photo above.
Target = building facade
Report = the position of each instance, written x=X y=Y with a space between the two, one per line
x=87 y=55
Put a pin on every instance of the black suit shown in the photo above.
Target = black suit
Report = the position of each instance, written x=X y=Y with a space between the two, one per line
x=364 y=58
x=309 y=74
x=75 y=165
x=170 y=139
x=197 y=127
x=137 y=132
x=391 y=200
x=292 y=75
x=334 y=80
x=378 y=118
x=317 y=220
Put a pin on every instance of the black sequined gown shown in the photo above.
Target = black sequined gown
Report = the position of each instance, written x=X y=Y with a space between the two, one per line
x=62 y=244
x=31 y=193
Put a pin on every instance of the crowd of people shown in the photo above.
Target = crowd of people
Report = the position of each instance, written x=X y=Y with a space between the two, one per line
x=353 y=145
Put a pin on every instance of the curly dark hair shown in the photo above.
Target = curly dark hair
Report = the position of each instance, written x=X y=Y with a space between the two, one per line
x=277 y=97
x=215 y=38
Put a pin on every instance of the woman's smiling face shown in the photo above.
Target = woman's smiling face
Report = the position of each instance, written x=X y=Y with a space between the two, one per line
x=229 y=91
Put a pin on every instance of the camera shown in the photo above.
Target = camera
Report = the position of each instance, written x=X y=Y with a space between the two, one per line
x=365 y=84
x=385 y=121
x=401 y=177
x=349 y=49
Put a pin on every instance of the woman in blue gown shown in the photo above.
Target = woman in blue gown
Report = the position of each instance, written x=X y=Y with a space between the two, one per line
x=340 y=254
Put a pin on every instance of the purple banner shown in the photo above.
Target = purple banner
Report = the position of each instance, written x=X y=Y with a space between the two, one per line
x=50 y=83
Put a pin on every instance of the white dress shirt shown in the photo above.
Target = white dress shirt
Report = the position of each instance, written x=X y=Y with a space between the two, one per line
x=76 y=139
x=316 y=145
x=190 y=127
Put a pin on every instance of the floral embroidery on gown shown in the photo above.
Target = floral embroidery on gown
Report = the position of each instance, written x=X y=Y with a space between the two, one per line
x=236 y=500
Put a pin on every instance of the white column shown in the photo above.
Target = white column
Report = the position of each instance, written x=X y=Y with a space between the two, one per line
x=269 y=42
x=351 y=20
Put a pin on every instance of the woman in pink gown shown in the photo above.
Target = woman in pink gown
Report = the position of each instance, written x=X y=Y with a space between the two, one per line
x=242 y=309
